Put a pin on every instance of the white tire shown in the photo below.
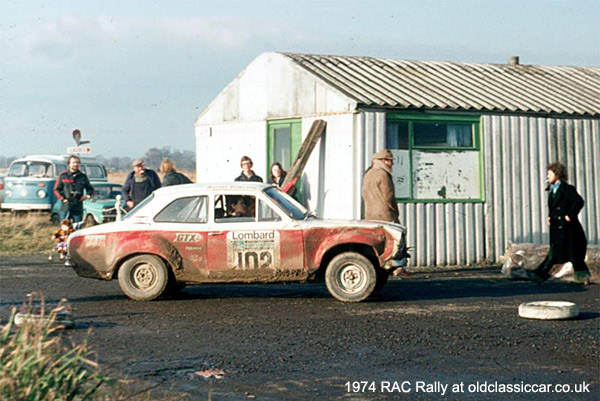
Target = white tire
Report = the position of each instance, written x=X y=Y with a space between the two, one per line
x=548 y=310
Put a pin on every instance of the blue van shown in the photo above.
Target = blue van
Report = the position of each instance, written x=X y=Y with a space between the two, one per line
x=29 y=183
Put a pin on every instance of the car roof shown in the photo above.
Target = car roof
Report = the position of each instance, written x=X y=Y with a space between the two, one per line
x=55 y=158
x=209 y=187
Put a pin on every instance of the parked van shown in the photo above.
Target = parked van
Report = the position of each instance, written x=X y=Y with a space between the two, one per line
x=29 y=183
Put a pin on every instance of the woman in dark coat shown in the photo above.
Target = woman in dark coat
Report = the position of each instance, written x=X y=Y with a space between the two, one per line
x=567 y=238
x=277 y=175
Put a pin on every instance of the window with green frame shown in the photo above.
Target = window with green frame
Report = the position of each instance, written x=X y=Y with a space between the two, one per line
x=437 y=157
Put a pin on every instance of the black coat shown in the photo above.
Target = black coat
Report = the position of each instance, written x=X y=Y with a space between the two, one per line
x=253 y=177
x=567 y=238
x=175 y=178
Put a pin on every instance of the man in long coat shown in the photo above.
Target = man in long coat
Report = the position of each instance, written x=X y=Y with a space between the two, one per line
x=567 y=238
x=378 y=190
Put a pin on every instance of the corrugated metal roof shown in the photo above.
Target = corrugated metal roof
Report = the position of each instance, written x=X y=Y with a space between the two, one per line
x=405 y=84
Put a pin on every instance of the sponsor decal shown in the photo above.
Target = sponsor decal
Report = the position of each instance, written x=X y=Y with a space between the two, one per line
x=95 y=240
x=250 y=250
x=187 y=237
x=193 y=248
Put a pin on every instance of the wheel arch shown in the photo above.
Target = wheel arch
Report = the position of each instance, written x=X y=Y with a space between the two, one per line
x=363 y=249
x=120 y=261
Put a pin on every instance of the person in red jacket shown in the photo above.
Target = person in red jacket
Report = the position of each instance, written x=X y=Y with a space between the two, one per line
x=72 y=188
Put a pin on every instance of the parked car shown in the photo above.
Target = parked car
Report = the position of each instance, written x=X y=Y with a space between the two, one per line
x=30 y=180
x=101 y=208
x=236 y=233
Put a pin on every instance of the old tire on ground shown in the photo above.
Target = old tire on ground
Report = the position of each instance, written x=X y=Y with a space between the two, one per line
x=143 y=277
x=89 y=221
x=382 y=279
x=548 y=310
x=350 y=277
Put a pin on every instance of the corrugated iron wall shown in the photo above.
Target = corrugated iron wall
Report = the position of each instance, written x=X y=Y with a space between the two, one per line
x=516 y=150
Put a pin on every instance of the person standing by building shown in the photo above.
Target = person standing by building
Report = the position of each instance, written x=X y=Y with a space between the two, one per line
x=379 y=197
x=567 y=238
x=247 y=172
x=378 y=192
x=277 y=177
x=73 y=187
x=172 y=176
x=139 y=184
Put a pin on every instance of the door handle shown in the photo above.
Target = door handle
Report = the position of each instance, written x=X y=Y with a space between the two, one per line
x=214 y=234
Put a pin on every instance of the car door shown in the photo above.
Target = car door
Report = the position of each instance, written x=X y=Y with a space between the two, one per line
x=261 y=246
x=182 y=225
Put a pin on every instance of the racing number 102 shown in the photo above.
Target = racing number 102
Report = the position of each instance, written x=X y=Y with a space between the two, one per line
x=254 y=260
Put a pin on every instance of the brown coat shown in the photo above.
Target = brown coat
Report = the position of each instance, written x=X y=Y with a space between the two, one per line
x=379 y=194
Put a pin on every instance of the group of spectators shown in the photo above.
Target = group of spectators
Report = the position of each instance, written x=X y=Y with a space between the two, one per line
x=73 y=186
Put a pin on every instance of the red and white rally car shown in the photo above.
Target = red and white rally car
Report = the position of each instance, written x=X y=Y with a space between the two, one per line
x=236 y=233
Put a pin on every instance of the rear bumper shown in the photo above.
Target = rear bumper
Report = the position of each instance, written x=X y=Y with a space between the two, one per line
x=26 y=206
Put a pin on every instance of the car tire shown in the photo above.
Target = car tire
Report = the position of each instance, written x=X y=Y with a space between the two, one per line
x=549 y=310
x=350 y=277
x=89 y=221
x=143 y=277
x=382 y=279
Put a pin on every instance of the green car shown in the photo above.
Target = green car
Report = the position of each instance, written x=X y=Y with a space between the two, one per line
x=97 y=210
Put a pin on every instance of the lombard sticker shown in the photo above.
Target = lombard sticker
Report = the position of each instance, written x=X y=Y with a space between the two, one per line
x=95 y=240
x=187 y=237
x=250 y=250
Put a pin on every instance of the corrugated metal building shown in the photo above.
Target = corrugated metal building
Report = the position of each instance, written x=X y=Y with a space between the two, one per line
x=471 y=142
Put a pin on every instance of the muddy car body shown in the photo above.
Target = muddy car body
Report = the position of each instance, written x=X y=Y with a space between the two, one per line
x=191 y=234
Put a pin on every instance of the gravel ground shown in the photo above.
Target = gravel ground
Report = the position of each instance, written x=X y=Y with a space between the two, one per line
x=440 y=327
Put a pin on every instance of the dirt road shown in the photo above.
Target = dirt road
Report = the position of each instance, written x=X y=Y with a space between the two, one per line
x=295 y=342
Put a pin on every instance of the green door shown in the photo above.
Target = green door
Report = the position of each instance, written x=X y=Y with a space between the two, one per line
x=284 y=140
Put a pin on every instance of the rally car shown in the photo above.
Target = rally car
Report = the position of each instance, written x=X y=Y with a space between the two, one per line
x=236 y=233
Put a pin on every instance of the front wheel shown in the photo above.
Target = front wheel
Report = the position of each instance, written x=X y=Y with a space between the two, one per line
x=143 y=277
x=350 y=277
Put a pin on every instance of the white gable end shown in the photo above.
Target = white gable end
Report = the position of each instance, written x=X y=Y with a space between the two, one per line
x=273 y=86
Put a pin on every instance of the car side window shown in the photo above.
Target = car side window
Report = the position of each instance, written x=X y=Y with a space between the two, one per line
x=191 y=209
x=235 y=208
x=266 y=213
x=94 y=171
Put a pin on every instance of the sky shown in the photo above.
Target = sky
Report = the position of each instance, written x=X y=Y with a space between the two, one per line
x=135 y=74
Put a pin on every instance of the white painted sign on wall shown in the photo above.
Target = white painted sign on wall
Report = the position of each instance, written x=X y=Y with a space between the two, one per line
x=446 y=175
x=401 y=173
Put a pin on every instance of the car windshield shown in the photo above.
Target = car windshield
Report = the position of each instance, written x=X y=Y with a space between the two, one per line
x=289 y=205
x=102 y=192
x=139 y=206
x=30 y=169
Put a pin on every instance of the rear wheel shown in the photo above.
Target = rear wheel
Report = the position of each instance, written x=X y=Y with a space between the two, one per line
x=143 y=277
x=350 y=277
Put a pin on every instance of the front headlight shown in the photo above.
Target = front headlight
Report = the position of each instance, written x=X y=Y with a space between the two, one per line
x=8 y=193
x=41 y=194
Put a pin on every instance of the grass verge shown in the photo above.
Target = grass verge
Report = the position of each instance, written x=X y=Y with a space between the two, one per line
x=28 y=233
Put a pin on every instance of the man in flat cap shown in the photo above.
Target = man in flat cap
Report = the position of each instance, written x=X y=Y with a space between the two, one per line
x=379 y=197
x=139 y=184
x=378 y=192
